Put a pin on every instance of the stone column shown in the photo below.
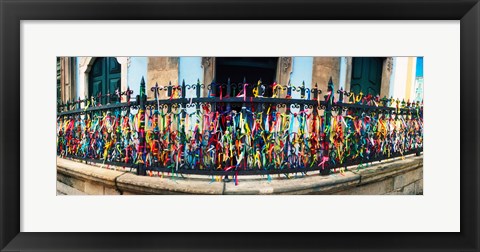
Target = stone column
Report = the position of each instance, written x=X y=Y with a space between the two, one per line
x=284 y=70
x=161 y=70
x=348 y=78
x=124 y=62
x=208 y=64
x=386 y=73
x=85 y=64
x=323 y=69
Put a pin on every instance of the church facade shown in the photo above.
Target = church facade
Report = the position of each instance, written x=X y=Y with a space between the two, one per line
x=399 y=77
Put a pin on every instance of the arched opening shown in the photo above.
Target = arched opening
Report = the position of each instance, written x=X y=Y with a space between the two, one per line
x=366 y=75
x=105 y=78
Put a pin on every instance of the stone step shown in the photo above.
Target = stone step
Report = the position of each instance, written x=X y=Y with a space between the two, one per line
x=63 y=189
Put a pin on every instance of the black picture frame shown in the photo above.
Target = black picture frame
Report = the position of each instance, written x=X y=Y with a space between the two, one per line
x=12 y=12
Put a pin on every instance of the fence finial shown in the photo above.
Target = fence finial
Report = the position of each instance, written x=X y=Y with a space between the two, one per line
x=142 y=87
x=169 y=90
x=213 y=88
x=289 y=90
x=302 y=90
x=155 y=90
x=184 y=87
x=197 y=88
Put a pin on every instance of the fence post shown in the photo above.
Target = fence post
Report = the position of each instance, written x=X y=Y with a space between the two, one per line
x=184 y=105
x=315 y=92
x=213 y=87
x=258 y=107
x=419 y=114
x=315 y=106
x=329 y=98
x=229 y=90
x=289 y=90
x=302 y=96
x=170 y=91
x=108 y=97
x=197 y=105
x=198 y=88
x=99 y=99
x=141 y=134
x=340 y=95
x=184 y=89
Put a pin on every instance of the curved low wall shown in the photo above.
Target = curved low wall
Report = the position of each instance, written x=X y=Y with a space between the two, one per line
x=399 y=176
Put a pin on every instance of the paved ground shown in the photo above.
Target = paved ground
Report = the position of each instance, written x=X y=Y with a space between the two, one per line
x=63 y=189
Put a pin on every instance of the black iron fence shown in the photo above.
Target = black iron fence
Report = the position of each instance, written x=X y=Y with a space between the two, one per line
x=237 y=130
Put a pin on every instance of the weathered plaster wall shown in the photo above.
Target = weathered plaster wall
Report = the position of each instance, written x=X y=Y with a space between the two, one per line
x=284 y=70
x=161 y=70
x=323 y=69
x=387 y=69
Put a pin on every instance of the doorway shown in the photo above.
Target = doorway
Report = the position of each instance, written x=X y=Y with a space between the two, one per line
x=104 y=78
x=366 y=75
x=249 y=69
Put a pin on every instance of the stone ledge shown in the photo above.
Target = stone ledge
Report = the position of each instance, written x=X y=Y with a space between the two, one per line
x=154 y=185
x=63 y=189
x=390 y=175
x=87 y=172
x=312 y=183
x=387 y=169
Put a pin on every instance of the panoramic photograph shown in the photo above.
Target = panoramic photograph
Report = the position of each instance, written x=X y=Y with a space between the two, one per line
x=239 y=125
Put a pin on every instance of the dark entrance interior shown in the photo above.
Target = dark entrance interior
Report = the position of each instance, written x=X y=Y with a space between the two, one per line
x=250 y=69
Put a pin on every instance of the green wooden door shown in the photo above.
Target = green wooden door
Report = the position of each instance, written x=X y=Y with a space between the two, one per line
x=366 y=75
x=104 y=78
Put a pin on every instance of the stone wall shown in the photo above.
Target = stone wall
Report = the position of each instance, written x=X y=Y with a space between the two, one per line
x=386 y=74
x=67 y=79
x=161 y=70
x=284 y=69
x=401 y=176
x=323 y=69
